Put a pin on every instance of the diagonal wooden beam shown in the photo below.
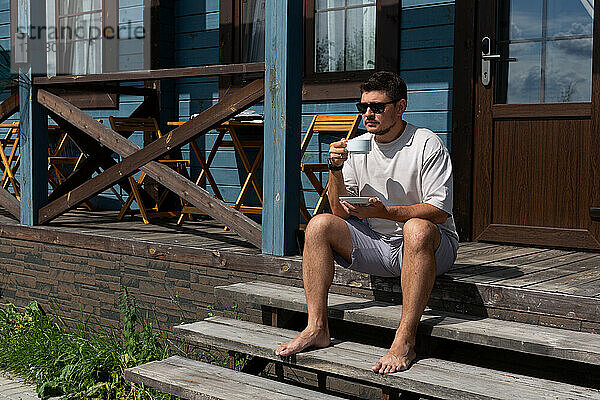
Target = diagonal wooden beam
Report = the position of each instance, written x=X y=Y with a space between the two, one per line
x=9 y=106
x=10 y=203
x=100 y=156
x=134 y=158
x=207 y=120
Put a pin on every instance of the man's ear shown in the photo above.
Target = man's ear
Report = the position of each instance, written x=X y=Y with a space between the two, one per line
x=402 y=106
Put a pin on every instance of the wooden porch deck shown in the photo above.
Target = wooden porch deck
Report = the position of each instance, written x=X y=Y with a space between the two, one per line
x=537 y=285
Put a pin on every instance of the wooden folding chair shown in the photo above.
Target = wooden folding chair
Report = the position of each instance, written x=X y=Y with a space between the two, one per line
x=240 y=147
x=58 y=163
x=10 y=163
x=127 y=124
x=342 y=125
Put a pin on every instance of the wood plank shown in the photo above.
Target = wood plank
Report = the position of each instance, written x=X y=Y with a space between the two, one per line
x=490 y=271
x=246 y=261
x=9 y=106
x=470 y=246
x=135 y=158
x=431 y=377
x=33 y=135
x=10 y=203
x=564 y=265
x=515 y=299
x=540 y=340
x=541 y=236
x=98 y=157
x=527 y=264
x=588 y=288
x=142 y=75
x=463 y=110
x=495 y=253
x=512 y=111
x=572 y=283
x=189 y=379
x=283 y=123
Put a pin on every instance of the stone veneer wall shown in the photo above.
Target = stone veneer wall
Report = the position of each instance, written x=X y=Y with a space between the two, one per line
x=73 y=281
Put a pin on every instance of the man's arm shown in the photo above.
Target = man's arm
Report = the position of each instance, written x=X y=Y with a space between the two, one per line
x=335 y=189
x=421 y=210
x=336 y=186
x=399 y=213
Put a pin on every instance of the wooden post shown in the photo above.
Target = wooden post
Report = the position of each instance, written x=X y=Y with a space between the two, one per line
x=283 y=102
x=33 y=118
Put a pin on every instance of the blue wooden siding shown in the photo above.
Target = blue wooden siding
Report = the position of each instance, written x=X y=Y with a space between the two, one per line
x=197 y=43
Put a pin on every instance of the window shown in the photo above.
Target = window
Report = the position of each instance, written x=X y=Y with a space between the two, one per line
x=78 y=46
x=342 y=41
x=551 y=42
x=344 y=35
x=253 y=31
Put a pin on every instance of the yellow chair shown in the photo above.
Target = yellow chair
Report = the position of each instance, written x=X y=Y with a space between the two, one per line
x=343 y=125
x=129 y=125
x=10 y=162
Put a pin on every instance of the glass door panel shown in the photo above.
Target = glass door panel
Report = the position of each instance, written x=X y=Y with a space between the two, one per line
x=552 y=43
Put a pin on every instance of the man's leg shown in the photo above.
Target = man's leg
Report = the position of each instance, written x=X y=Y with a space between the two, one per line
x=421 y=240
x=324 y=234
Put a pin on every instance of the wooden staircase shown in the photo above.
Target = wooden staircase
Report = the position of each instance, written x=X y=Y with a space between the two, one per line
x=459 y=356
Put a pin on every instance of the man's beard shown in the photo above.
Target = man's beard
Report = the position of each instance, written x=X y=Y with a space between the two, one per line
x=382 y=132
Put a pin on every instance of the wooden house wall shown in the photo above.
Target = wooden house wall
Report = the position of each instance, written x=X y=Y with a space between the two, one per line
x=427 y=30
x=131 y=57
x=426 y=64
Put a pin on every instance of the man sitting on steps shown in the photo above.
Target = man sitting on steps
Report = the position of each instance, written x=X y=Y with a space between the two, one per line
x=406 y=230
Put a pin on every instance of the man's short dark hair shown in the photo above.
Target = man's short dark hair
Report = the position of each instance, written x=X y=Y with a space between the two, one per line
x=388 y=82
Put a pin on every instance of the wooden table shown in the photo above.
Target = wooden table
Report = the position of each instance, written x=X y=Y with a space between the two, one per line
x=231 y=127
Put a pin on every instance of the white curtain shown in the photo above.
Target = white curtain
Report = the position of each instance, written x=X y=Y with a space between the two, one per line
x=80 y=49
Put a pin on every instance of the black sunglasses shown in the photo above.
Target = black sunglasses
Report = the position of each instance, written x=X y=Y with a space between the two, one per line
x=377 y=108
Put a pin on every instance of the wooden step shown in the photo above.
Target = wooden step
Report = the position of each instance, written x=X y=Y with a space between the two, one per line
x=189 y=379
x=531 y=339
x=431 y=377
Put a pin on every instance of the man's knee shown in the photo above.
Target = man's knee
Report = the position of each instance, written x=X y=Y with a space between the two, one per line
x=321 y=226
x=421 y=235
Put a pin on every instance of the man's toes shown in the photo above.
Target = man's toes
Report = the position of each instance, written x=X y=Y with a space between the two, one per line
x=280 y=349
x=377 y=366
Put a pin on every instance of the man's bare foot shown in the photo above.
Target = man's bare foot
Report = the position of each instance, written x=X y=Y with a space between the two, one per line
x=306 y=338
x=398 y=358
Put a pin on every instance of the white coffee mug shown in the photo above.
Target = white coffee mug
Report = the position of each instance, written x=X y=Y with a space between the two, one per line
x=359 y=146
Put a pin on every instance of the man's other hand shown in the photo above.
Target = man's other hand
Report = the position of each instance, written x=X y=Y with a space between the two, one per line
x=375 y=209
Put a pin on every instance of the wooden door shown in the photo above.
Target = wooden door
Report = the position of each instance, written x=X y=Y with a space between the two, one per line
x=537 y=141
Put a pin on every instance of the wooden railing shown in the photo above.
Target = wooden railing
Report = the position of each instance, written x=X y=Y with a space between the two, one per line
x=155 y=74
x=99 y=141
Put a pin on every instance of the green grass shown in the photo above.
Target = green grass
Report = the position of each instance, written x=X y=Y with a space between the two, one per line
x=80 y=363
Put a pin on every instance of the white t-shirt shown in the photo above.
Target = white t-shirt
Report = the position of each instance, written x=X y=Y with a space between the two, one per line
x=414 y=168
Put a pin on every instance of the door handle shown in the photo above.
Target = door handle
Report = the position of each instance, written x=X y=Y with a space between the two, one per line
x=486 y=60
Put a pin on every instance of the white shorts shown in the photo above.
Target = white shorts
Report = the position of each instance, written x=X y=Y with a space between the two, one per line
x=379 y=255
